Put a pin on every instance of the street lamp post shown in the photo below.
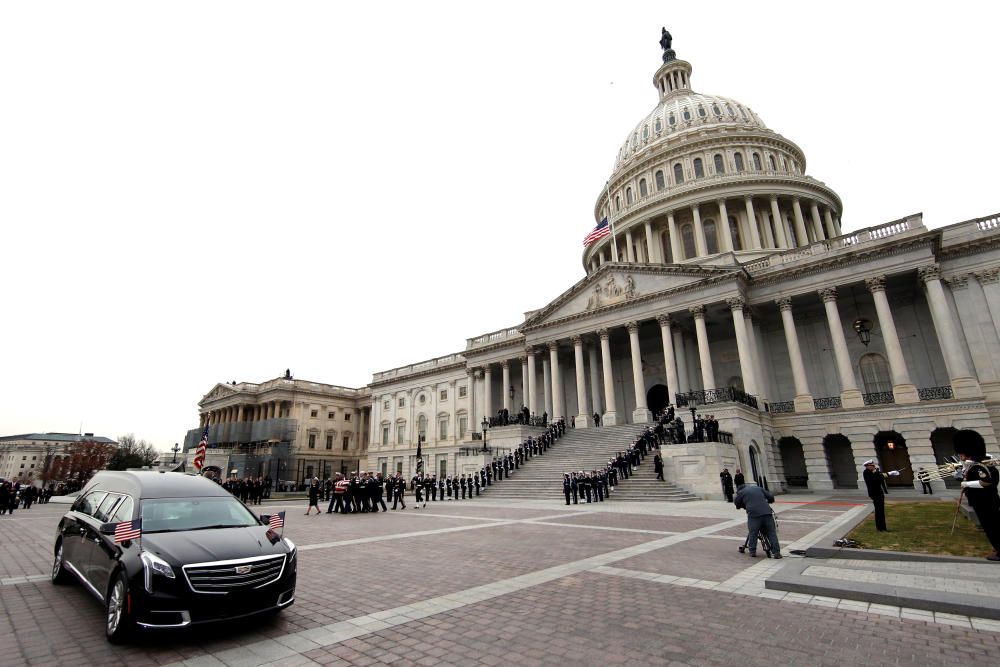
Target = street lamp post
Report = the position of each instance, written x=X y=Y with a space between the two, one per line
x=486 y=426
x=176 y=448
x=694 y=410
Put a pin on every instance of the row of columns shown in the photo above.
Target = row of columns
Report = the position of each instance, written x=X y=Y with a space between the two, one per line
x=821 y=225
x=239 y=413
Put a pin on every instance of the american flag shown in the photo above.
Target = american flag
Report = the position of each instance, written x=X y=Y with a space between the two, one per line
x=128 y=530
x=599 y=232
x=199 y=457
x=276 y=521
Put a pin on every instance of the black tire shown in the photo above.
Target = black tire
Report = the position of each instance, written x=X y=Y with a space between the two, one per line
x=118 y=623
x=59 y=575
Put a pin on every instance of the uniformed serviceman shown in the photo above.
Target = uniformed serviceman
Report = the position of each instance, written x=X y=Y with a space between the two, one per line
x=875 y=482
x=980 y=482
x=567 y=486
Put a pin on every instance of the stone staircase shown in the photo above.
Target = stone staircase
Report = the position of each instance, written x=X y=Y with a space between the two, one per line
x=586 y=449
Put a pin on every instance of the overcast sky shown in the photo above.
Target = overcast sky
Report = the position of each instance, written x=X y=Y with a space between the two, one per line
x=199 y=192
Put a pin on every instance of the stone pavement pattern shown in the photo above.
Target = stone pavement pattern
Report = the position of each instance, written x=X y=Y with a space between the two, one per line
x=505 y=582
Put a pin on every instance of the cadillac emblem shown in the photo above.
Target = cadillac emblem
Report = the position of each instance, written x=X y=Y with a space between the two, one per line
x=243 y=569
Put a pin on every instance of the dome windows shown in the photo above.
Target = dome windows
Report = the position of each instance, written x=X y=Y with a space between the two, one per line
x=756 y=162
x=701 y=111
x=628 y=196
x=687 y=114
x=770 y=160
x=699 y=168
x=678 y=173
x=716 y=110
x=618 y=204
x=672 y=119
x=645 y=132
x=659 y=126
x=720 y=167
x=643 y=189
x=738 y=159
x=660 y=184
x=729 y=108
x=635 y=140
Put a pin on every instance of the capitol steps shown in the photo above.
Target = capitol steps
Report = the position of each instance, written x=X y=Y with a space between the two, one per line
x=586 y=449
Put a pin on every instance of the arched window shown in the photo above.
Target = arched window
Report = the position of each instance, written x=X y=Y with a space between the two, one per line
x=672 y=119
x=756 y=162
x=422 y=427
x=687 y=114
x=643 y=190
x=711 y=237
x=678 y=173
x=687 y=238
x=701 y=111
x=660 y=184
x=720 y=167
x=738 y=158
x=618 y=203
x=659 y=126
x=770 y=159
x=716 y=109
x=699 y=168
x=645 y=132
x=875 y=373
x=628 y=196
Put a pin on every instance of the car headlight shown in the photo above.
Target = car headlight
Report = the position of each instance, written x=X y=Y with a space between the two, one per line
x=292 y=553
x=152 y=564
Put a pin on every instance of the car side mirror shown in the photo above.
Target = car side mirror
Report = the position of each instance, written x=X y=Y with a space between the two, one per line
x=108 y=528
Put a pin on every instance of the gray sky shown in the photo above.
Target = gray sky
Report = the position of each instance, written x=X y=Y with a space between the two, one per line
x=199 y=192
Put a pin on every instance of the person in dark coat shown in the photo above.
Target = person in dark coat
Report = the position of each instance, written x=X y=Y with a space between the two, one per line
x=739 y=479
x=757 y=502
x=875 y=482
x=980 y=482
x=398 y=491
x=658 y=466
x=727 y=484
x=313 y=496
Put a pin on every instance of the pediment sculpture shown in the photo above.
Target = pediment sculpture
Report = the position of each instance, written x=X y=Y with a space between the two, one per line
x=611 y=292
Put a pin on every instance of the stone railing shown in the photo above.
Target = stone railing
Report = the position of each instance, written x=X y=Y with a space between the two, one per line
x=721 y=395
x=430 y=364
x=935 y=393
x=828 y=403
x=510 y=333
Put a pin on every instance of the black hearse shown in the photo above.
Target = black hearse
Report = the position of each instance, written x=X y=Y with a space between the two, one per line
x=201 y=556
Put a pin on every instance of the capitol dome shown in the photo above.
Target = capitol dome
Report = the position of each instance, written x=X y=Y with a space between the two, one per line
x=702 y=176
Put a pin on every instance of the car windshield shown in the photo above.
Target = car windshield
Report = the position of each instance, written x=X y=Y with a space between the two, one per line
x=164 y=515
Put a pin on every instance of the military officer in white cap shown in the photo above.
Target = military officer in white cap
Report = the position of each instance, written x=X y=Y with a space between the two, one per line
x=873 y=480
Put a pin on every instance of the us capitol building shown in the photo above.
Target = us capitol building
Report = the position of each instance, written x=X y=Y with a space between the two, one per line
x=727 y=285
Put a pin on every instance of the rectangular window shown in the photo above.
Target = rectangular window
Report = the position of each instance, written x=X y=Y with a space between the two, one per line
x=386 y=405
x=314 y=413
x=347 y=442
x=402 y=402
x=312 y=441
x=385 y=435
x=347 y=416
x=463 y=426
x=444 y=394
x=400 y=433
x=331 y=415
x=463 y=391
x=443 y=429
x=329 y=442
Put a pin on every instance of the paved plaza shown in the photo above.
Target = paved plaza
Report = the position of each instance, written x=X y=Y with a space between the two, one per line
x=508 y=583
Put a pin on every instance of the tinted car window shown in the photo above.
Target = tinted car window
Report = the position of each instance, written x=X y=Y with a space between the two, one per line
x=124 y=511
x=173 y=514
x=104 y=511
x=90 y=502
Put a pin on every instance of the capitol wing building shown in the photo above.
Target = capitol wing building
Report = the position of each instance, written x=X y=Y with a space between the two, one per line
x=727 y=285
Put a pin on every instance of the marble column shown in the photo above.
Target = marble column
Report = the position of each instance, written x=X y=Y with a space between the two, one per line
x=582 y=419
x=752 y=223
x=831 y=229
x=779 y=225
x=651 y=254
x=817 y=223
x=547 y=387
x=558 y=402
x=803 y=398
x=743 y=349
x=990 y=281
x=704 y=353
x=850 y=396
x=524 y=382
x=964 y=382
x=239 y=414
x=676 y=248
x=473 y=404
x=902 y=389
x=610 y=417
x=505 y=370
x=700 y=245
x=669 y=362
x=683 y=377
x=800 y=224
x=641 y=413
x=725 y=234
x=763 y=392
x=595 y=380
x=629 y=247
x=488 y=391
x=532 y=381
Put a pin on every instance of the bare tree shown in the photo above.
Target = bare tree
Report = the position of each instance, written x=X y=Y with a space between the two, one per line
x=132 y=453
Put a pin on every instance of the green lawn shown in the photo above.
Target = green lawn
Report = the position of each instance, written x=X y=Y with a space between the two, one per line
x=923 y=527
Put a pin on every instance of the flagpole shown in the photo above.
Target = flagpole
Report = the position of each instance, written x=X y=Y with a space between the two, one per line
x=614 y=241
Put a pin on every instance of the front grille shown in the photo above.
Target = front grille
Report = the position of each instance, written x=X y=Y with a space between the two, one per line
x=224 y=577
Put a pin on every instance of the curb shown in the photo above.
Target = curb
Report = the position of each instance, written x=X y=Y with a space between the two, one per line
x=876 y=554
